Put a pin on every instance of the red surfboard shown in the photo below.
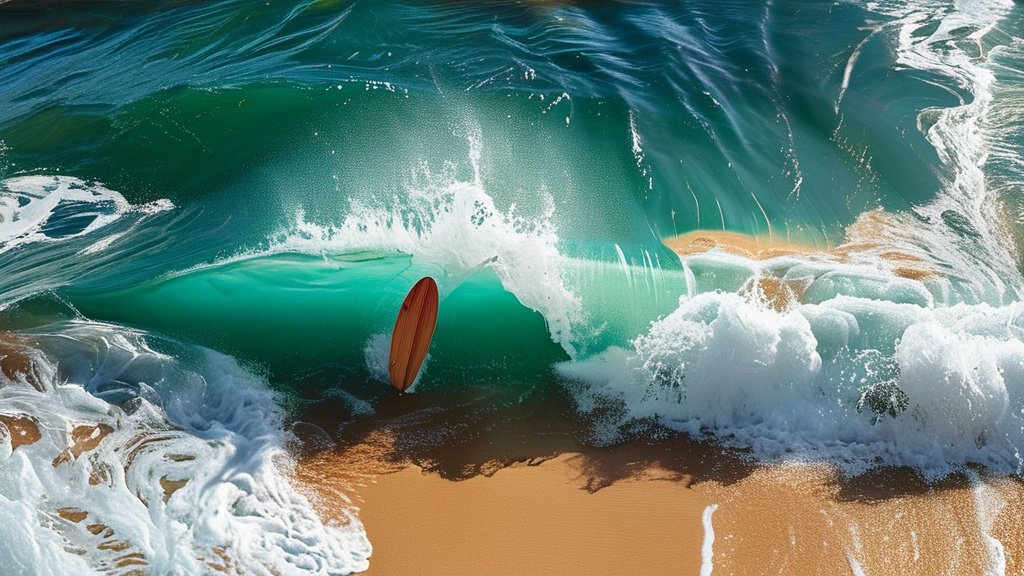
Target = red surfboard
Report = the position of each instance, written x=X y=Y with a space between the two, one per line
x=414 y=328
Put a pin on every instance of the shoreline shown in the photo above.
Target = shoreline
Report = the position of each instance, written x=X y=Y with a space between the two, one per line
x=791 y=519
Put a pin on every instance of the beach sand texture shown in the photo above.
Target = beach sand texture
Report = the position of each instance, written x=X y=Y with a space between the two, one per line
x=510 y=502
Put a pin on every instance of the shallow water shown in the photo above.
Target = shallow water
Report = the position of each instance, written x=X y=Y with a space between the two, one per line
x=210 y=212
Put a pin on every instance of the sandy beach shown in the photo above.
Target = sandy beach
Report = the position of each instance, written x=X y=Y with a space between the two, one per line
x=507 y=502
x=531 y=520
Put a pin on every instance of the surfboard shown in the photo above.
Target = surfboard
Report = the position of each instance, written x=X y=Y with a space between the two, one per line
x=414 y=328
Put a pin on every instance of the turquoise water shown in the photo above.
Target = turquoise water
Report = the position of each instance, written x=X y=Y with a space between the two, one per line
x=200 y=199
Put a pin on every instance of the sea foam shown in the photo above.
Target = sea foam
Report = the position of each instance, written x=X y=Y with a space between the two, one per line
x=153 y=455
x=52 y=208
x=851 y=380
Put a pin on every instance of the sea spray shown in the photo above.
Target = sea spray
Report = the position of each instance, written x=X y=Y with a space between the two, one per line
x=455 y=227
x=54 y=208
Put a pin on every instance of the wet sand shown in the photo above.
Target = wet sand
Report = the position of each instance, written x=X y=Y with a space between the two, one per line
x=542 y=519
x=505 y=504
x=546 y=516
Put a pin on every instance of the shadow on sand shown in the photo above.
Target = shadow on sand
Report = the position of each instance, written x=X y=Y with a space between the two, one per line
x=478 y=432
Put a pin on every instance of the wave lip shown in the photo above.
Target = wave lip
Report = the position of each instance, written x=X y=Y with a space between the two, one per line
x=456 y=227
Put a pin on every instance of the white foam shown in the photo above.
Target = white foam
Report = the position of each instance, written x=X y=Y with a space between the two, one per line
x=29 y=203
x=853 y=380
x=190 y=414
x=855 y=567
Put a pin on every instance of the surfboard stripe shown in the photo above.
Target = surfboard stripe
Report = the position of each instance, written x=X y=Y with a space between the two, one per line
x=414 y=329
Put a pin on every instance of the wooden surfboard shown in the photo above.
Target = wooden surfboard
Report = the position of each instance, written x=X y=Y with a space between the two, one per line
x=414 y=328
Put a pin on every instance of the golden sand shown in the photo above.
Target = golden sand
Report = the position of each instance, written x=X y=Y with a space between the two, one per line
x=171 y=486
x=546 y=519
x=531 y=520
x=14 y=359
x=780 y=294
x=84 y=438
x=72 y=514
x=16 y=362
x=807 y=520
x=564 y=514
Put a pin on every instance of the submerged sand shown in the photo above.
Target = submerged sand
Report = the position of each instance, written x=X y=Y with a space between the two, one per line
x=876 y=237
x=759 y=247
